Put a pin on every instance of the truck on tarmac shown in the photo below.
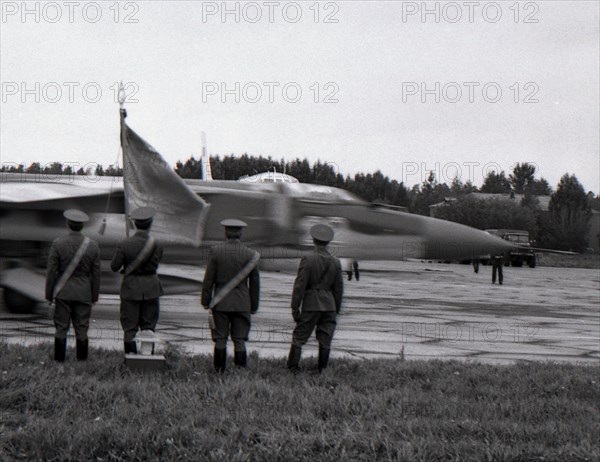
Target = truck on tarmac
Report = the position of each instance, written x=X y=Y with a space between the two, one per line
x=523 y=251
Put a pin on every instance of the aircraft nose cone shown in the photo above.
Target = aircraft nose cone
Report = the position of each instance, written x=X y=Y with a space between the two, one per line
x=451 y=241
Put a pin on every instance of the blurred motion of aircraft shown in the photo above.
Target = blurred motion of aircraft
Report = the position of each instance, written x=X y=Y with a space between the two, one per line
x=279 y=215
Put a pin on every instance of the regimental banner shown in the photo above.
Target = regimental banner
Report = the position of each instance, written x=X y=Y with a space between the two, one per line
x=149 y=181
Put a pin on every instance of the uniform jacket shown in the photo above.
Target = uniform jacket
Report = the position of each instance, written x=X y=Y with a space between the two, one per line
x=224 y=262
x=84 y=283
x=498 y=259
x=143 y=283
x=319 y=285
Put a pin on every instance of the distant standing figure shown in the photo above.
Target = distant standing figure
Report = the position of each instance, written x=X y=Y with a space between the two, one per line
x=73 y=284
x=138 y=258
x=230 y=290
x=356 y=271
x=476 y=265
x=497 y=263
x=316 y=298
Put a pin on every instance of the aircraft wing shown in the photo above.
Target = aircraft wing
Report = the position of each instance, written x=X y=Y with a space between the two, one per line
x=20 y=189
x=32 y=206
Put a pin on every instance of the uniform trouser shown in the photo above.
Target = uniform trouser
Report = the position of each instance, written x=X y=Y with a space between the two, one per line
x=325 y=322
x=499 y=269
x=67 y=311
x=234 y=323
x=142 y=314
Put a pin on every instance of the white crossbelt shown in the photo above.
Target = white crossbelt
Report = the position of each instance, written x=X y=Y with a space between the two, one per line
x=245 y=271
x=140 y=257
x=71 y=267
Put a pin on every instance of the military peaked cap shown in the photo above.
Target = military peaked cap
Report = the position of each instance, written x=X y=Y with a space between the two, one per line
x=143 y=214
x=233 y=223
x=76 y=216
x=321 y=233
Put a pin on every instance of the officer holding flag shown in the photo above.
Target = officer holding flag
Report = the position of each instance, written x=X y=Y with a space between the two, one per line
x=138 y=258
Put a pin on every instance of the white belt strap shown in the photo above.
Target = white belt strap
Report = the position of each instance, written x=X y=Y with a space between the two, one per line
x=71 y=267
x=245 y=271
x=148 y=246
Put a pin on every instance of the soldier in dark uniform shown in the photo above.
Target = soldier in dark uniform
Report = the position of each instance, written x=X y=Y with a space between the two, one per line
x=231 y=290
x=73 y=284
x=139 y=257
x=497 y=263
x=318 y=289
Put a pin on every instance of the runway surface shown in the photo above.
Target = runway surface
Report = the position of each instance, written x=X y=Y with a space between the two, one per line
x=427 y=310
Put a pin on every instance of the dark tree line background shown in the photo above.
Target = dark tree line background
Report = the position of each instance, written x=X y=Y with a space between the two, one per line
x=56 y=168
x=564 y=226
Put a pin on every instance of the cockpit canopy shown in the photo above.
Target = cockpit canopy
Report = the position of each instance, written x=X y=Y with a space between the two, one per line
x=320 y=193
x=268 y=177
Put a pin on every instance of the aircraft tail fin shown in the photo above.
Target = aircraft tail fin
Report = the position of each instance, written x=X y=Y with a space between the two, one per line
x=206 y=170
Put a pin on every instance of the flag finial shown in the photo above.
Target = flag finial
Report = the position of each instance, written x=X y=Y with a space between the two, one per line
x=122 y=95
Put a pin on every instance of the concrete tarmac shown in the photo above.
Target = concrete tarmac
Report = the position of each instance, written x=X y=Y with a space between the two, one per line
x=422 y=310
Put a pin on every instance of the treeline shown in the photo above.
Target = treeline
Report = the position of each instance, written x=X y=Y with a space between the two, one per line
x=564 y=225
x=57 y=168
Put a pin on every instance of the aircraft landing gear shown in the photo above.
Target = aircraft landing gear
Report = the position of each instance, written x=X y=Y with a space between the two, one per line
x=18 y=303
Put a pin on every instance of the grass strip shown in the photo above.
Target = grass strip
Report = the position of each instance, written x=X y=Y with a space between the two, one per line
x=381 y=409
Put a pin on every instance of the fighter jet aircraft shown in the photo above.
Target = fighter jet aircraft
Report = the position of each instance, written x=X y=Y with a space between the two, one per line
x=279 y=216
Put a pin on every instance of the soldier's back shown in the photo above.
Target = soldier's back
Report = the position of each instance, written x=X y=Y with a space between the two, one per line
x=67 y=246
x=230 y=257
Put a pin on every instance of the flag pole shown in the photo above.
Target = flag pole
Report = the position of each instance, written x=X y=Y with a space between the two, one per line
x=123 y=115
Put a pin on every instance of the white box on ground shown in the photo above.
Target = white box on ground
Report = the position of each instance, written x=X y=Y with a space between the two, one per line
x=145 y=359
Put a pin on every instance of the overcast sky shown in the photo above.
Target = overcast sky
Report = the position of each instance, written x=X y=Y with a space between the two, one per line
x=353 y=83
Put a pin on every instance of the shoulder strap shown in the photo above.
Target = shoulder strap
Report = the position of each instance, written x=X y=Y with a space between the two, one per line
x=141 y=257
x=244 y=272
x=71 y=267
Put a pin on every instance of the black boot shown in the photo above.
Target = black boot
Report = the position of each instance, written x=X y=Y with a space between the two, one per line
x=130 y=347
x=240 y=358
x=294 y=358
x=82 y=349
x=220 y=359
x=60 y=349
x=323 y=358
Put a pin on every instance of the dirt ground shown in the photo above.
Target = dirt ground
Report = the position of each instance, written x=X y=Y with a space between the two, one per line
x=419 y=309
